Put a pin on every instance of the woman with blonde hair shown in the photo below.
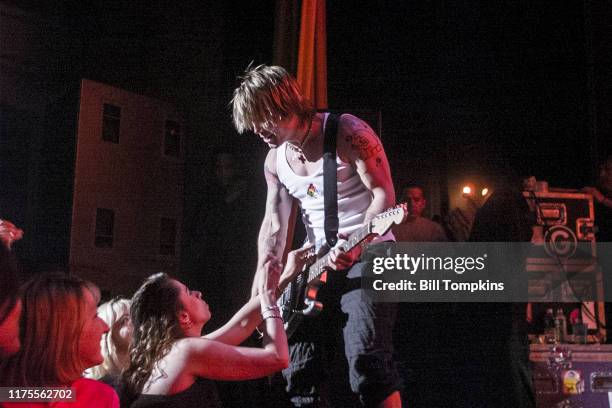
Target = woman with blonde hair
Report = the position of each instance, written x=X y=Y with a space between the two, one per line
x=60 y=338
x=115 y=343
x=172 y=364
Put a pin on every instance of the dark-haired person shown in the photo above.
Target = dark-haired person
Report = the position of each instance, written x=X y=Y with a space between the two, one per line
x=172 y=364
x=486 y=344
x=602 y=195
x=60 y=339
x=417 y=317
x=269 y=102
x=417 y=228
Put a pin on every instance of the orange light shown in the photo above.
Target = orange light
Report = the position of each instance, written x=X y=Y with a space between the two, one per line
x=467 y=190
x=484 y=191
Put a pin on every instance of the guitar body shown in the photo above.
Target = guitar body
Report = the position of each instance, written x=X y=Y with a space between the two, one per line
x=299 y=300
x=313 y=306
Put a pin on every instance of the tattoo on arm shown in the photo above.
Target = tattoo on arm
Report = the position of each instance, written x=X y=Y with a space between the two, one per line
x=366 y=146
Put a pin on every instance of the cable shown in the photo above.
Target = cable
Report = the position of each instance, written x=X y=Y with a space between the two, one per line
x=546 y=228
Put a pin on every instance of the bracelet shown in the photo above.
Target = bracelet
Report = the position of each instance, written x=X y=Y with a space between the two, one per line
x=273 y=317
x=274 y=312
x=270 y=313
x=271 y=307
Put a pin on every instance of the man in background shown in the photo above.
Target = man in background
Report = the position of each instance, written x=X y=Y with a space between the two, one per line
x=417 y=228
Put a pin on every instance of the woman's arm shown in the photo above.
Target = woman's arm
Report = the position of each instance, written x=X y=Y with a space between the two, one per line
x=219 y=361
x=242 y=324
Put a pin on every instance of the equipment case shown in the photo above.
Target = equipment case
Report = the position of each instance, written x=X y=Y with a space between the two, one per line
x=569 y=375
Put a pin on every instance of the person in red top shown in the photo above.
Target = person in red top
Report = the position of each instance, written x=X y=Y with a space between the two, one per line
x=60 y=339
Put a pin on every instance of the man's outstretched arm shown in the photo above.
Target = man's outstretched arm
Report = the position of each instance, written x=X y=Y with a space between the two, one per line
x=274 y=227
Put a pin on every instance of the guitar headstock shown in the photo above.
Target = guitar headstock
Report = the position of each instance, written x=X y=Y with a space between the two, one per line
x=383 y=221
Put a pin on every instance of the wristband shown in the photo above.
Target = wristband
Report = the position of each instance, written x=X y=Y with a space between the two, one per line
x=270 y=309
x=273 y=317
x=270 y=313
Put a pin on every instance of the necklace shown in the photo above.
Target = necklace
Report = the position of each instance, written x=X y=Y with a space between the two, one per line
x=307 y=137
x=298 y=153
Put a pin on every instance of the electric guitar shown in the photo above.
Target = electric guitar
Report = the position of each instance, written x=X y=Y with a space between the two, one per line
x=299 y=299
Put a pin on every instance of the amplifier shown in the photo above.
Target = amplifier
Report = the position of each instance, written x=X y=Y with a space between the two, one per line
x=562 y=270
x=572 y=376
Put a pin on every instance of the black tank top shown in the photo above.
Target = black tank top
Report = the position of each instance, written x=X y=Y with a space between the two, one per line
x=201 y=394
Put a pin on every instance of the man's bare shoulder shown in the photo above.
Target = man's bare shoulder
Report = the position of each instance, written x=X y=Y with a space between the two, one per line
x=349 y=124
x=356 y=139
x=270 y=162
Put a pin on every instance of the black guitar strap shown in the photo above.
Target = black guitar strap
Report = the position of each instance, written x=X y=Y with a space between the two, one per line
x=330 y=188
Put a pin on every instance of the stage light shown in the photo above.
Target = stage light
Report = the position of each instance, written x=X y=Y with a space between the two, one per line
x=467 y=190
x=484 y=191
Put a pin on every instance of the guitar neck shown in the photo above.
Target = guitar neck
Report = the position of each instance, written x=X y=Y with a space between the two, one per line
x=354 y=239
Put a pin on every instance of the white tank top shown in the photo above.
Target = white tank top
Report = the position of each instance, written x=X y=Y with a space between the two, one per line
x=353 y=196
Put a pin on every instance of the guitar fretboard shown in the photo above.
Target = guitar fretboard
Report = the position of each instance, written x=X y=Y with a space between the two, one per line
x=356 y=238
x=362 y=236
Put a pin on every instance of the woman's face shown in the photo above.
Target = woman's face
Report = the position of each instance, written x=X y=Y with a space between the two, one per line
x=93 y=329
x=193 y=304
x=9 y=331
x=121 y=331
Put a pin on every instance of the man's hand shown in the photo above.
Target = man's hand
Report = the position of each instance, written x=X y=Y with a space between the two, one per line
x=9 y=233
x=268 y=281
x=296 y=260
x=255 y=284
x=340 y=259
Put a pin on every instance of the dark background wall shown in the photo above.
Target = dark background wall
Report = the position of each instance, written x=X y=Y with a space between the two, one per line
x=461 y=85
x=470 y=83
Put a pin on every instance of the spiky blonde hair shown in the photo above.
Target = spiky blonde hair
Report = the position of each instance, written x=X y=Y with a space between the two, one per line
x=265 y=94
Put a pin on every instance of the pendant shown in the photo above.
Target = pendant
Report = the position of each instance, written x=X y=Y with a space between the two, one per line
x=297 y=154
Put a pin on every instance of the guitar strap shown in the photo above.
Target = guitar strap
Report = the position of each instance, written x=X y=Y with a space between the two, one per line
x=330 y=187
